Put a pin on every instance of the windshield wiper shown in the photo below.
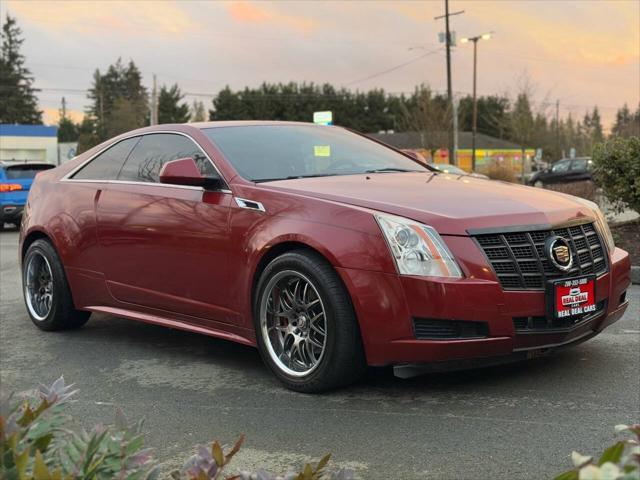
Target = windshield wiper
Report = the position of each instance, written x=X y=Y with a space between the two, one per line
x=293 y=177
x=389 y=169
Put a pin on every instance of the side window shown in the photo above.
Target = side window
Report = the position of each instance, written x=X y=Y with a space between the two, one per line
x=560 y=167
x=154 y=150
x=579 y=165
x=107 y=165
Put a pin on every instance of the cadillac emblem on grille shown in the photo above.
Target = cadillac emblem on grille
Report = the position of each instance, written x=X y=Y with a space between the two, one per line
x=559 y=253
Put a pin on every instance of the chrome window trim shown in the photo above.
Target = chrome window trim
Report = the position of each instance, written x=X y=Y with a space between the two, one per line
x=67 y=177
x=244 y=203
x=147 y=184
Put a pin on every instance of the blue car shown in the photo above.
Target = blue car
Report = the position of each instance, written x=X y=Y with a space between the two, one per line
x=15 y=182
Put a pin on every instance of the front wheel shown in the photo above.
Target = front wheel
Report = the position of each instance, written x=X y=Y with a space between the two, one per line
x=306 y=328
x=46 y=291
x=538 y=184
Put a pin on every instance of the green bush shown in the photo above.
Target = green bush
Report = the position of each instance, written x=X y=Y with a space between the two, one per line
x=617 y=171
x=621 y=461
x=35 y=445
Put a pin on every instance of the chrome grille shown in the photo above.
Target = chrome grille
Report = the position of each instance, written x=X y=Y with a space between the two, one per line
x=520 y=261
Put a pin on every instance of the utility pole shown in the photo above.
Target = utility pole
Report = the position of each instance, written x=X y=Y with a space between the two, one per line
x=452 y=153
x=63 y=110
x=474 y=123
x=154 y=102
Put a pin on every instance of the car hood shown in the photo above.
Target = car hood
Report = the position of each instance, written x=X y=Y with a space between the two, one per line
x=452 y=204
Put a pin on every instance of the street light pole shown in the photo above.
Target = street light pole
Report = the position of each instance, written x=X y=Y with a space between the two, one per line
x=474 y=120
x=474 y=124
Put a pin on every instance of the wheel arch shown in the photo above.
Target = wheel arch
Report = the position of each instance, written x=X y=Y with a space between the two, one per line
x=273 y=252
x=31 y=237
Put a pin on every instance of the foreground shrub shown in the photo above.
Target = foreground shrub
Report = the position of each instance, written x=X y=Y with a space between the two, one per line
x=621 y=461
x=35 y=445
x=617 y=171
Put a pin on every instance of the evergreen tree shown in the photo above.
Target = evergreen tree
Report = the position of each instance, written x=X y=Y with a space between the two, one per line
x=87 y=136
x=627 y=124
x=67 y=130
x=521 y=121
x=18 y=102
x=170 y=110
x=118 y=102
x=597 y=134
x=491 y=118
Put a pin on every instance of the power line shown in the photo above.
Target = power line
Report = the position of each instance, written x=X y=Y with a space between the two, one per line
x=338 y=94
x=389 y=70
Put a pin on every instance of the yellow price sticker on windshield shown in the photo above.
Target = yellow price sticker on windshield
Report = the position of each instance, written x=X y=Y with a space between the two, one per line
x=322 y=150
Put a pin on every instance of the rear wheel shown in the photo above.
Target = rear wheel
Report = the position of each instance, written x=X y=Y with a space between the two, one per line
x=538 y=184
x=305 y=324
x=46 y=291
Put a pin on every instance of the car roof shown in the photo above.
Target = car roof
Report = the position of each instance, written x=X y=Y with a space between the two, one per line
x=576 y=158
x=250 y=123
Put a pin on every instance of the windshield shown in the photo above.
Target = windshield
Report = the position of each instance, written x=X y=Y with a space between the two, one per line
x=274 y=152
x=25 y=171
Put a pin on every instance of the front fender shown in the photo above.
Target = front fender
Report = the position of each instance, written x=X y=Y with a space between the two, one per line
x=254 y=234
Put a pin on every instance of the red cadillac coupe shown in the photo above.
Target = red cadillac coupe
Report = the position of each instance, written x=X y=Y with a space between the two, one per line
x=325 y=249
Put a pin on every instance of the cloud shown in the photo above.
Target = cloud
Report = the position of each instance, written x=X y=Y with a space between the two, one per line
x=51 y=116
x=561 y=32
x=269 y=15
x=128 y=18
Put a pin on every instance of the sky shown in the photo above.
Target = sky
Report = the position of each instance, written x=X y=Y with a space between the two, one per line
x=580 y=52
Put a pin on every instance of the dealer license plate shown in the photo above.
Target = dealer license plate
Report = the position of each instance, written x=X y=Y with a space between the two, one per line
x=572 y=297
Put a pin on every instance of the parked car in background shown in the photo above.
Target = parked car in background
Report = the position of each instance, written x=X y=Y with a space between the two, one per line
x=324 y=249
x=563 y=171
x=15 y=181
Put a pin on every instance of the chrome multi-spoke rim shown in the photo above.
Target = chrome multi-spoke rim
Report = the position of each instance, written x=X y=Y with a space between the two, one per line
x=293 y=323
x=38 y=286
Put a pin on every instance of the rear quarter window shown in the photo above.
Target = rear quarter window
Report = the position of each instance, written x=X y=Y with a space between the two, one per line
x=107 y=164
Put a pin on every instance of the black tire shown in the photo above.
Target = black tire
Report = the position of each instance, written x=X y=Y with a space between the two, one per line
x=1 y=226
x=343 y=361
x=62 y=314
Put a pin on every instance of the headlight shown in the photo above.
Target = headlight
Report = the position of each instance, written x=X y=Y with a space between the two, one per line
x=417 y=249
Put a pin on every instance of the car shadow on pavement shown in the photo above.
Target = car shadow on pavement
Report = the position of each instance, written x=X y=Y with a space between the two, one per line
x=136 y=340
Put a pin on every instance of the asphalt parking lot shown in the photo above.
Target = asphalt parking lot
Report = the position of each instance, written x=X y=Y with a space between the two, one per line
x=517 y=421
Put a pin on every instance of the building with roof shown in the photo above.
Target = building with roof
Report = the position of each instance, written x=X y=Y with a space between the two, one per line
x=28 y=143
x=488 y=149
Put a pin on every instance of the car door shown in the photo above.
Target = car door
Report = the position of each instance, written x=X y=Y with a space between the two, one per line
x=558 y=172
x=166 y=246
x=578 y=170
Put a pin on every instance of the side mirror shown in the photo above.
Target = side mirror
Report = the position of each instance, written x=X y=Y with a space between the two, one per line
x=184 y=171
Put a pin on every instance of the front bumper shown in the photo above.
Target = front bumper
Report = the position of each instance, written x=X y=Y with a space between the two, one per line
x=386 y=305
